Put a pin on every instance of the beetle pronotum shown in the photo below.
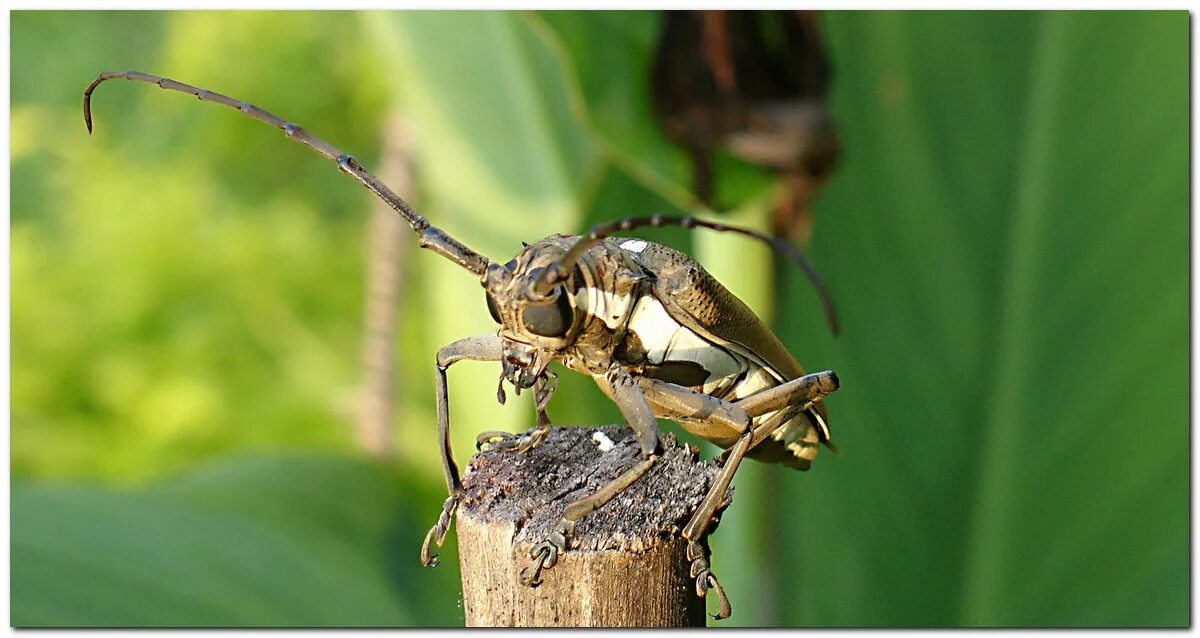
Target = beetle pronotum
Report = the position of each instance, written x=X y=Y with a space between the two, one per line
x=659 y=335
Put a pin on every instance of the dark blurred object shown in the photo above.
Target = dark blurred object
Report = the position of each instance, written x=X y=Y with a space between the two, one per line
x=752 y=83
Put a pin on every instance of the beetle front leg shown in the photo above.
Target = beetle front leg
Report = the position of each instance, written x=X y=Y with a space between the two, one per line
x=543 y=389
x=482 y=348
x=632 y=403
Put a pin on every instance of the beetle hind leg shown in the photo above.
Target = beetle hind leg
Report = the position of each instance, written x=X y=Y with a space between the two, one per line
x=701 y=522
x=786 y=399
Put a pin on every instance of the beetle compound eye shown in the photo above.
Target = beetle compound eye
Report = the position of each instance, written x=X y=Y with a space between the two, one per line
x=495 y=312
x=551 y=319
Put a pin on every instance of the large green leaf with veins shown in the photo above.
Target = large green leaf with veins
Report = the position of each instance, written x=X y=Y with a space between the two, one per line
x=1007 y=239
x=501 y=160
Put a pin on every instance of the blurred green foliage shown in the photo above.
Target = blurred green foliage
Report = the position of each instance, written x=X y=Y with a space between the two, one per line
x=1008 y=240
x=243 y=543
x=1006 y=237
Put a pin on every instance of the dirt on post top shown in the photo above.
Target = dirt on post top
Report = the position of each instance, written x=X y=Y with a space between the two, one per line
x=532 y=489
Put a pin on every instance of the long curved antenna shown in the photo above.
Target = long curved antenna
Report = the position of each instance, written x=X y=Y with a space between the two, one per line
x=431 y=237
x=552 y=275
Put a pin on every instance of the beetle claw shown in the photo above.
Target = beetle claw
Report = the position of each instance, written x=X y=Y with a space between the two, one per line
x=545 y=556
x=705 y=580
x=437 y=533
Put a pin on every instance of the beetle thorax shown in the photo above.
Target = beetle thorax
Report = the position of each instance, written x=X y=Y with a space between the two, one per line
x=578 y=322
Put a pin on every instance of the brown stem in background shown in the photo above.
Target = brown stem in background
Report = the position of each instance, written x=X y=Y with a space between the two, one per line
x=717 y=55
x=387 y=251
x=752 y=83
x=792 y=217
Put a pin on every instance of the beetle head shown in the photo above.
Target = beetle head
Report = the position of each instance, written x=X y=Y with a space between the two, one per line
x=534 y=326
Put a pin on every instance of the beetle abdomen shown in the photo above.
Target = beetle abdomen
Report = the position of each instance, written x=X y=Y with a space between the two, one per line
x=674 y=353
x=671 y=352
x=710 y=338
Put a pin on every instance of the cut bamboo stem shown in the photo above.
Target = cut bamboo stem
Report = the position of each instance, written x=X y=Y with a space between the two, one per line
x=625 y=565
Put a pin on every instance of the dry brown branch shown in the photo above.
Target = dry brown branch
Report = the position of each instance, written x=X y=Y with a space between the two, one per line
x=625 y=565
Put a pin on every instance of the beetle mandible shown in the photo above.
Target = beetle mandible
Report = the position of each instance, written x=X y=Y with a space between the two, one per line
x=658 y=334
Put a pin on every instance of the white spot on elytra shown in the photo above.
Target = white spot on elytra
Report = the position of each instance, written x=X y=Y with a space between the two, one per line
x=653 y=327
x=602 y=441
x=608 y=307
x=634 y=245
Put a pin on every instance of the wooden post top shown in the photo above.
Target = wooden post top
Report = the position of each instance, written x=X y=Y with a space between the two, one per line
x=625 y=565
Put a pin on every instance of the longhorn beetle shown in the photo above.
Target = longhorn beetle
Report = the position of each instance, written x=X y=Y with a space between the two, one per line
x=658 y=334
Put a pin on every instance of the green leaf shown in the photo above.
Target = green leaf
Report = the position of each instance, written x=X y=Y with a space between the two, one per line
x=1007 y=243
x=206 y=300
x=501 y=160
x=610 y=55
x=1005 y=237
x=253 y=542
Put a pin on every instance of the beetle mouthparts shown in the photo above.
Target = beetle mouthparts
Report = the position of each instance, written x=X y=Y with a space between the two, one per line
x=500 y=396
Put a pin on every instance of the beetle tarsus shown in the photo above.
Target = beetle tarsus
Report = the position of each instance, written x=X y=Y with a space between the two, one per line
x=491 y=439
x=724 y=610
x=506 y=441
x=545 y=555
x=542 y=391
x=532 y=439
x=706 y=580
x=429 y=559
x=437 y=533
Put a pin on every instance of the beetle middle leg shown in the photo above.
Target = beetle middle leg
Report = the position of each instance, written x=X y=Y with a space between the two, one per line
x=481 y=348
x=634 y=407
